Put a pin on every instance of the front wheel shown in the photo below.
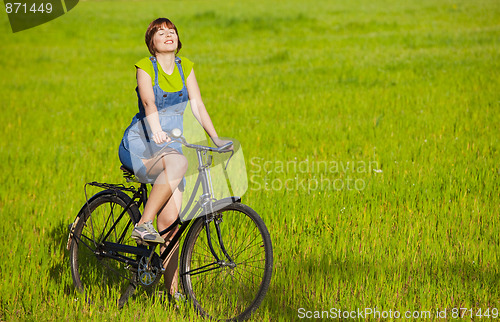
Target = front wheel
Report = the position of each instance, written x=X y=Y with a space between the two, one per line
x=233 y=287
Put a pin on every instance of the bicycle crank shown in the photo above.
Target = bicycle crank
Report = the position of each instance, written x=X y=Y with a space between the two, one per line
x=149 y=270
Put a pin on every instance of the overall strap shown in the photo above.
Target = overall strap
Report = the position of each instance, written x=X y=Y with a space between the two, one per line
x=179 y=66
x=155 y=66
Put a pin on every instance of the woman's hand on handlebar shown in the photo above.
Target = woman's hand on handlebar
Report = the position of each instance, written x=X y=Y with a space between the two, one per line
x=219 y=142
x=161 y=137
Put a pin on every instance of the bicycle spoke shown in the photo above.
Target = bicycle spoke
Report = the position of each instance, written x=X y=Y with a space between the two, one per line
x=262 y=252
x=205 y=255
x=244 y=285
x=244 y=240
x=251 y=266
x=208 y=288
x=258 y=276
x=258 y=243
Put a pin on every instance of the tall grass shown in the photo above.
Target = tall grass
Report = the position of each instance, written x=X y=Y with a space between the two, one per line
x=410 y=88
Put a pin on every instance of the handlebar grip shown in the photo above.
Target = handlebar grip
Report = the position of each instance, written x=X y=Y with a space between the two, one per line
x=225 y=146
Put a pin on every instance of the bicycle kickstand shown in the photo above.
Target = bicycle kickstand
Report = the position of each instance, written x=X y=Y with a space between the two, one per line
x=128 y=293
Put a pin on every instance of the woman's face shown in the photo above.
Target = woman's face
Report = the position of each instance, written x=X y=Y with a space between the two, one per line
x=165 y=40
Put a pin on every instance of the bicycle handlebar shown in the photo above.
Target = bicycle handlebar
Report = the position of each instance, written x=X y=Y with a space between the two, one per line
x=176 y=135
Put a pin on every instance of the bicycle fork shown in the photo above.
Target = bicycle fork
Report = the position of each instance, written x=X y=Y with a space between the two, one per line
x=216 y=221
x=204 y=169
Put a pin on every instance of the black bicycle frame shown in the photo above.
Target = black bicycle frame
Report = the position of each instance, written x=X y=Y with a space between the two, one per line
x=205 y=202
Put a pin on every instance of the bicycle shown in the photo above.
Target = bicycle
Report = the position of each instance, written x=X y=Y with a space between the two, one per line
x=226 y=259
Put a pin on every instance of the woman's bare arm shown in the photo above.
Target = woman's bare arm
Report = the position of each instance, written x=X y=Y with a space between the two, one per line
x=148 y=101
x=197 y=106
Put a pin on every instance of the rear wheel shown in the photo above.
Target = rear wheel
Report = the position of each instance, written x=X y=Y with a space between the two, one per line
x=231 y=289
x=102 y=218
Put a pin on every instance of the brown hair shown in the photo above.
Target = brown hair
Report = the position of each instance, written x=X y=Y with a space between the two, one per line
x=154 y=26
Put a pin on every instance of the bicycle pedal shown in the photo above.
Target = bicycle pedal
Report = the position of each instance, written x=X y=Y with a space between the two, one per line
x=140 y=242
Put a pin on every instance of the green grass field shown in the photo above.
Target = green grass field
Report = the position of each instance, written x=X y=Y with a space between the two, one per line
x=370 y=131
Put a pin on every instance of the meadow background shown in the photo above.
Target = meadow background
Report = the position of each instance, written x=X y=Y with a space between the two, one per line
x=413 y=86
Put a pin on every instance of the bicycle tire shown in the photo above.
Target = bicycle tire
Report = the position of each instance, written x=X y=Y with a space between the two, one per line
x=90 y=271
x=228 y=293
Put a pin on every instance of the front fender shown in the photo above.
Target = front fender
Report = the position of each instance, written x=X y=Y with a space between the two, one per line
x=216 y=206
x=224 y=202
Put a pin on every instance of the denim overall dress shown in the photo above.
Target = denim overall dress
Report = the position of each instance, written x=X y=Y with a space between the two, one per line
x=137 y=143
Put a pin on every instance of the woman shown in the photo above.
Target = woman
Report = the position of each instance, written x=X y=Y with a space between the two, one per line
x=165 y=82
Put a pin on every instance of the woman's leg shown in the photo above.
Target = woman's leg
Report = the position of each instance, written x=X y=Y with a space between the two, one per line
x=171 y=169
x=167 y=217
